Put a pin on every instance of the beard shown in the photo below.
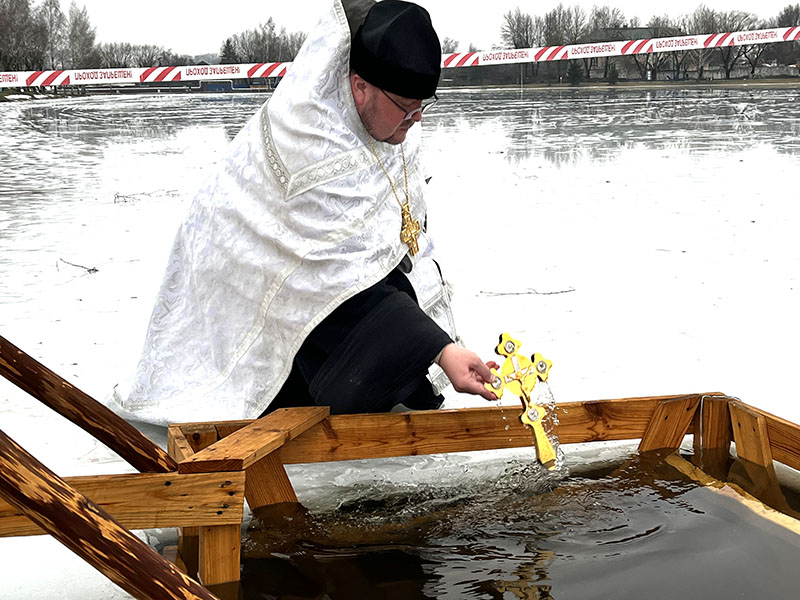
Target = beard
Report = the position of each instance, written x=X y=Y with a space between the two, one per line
x=372 y=123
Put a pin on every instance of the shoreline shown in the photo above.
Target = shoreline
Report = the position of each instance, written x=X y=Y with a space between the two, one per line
x=788 y=82
x=15 y=95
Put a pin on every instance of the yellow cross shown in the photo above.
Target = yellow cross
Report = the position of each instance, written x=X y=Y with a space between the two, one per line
x=409 y=232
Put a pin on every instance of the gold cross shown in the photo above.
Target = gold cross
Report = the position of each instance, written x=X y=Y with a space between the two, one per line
x=409 y=232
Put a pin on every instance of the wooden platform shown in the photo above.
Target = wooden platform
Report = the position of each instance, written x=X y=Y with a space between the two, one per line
x=200 y=483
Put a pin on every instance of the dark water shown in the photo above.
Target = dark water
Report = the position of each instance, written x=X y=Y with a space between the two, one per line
x=637 y=530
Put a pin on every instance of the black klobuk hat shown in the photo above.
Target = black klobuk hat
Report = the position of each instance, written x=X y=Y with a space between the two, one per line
x=397 y=50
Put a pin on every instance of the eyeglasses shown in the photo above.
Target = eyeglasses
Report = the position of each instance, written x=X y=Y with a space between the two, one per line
x=409 y=114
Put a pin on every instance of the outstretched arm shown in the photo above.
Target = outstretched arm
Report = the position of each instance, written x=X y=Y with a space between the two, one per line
x=466 y=371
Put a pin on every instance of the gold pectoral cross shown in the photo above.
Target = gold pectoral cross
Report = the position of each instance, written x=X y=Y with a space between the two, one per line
x=409 y=232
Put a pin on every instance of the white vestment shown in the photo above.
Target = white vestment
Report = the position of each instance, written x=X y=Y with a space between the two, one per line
x=298 y=218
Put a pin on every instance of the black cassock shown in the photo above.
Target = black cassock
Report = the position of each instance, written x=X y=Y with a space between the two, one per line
x=370 y=354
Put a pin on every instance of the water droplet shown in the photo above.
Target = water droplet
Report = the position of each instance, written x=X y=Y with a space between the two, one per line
x=508 y=427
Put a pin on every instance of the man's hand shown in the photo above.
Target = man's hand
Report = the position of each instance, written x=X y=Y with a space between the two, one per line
x=466 y=371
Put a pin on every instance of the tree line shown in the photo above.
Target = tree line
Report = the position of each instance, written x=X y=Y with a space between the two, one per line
x=38 y=37
x=574 y=25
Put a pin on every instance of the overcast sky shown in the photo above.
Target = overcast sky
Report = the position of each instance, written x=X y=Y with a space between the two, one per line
x=199 y=27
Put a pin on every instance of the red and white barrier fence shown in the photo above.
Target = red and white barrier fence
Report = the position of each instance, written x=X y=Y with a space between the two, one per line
x=12 y=79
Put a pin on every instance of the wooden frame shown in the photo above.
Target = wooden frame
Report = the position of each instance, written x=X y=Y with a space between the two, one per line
x=90 y=515
x=200 y=483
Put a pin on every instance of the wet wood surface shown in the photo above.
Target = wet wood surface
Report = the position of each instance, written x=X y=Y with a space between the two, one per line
x=750 y=434
x=219 y=550
x=88 y=530
x=85 y=412
x=150 y=500
x=248 y=445
x=267 y=483
x=349 y=437
x=669 y=424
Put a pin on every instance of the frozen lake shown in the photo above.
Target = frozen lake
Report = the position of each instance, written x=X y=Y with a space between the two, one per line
x=645 y=242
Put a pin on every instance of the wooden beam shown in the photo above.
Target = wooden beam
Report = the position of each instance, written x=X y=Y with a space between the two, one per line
x=200 y=435
x=178 y=447
x=349 y=437
x=88 y=530
x=716 y=424
x=85 y=412
x=784 y=439
x=250 y=444
x=220 y=551
x=750 y=434
x=267 y=483
x=713 y=436
x=150 y=500
x=189 y=548
x=669 y=424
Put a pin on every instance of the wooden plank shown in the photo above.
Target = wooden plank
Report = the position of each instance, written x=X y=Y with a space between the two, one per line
x=88 y=530
x=784 y=439
x=349 y=437
x=85 y=412
x=200 y=435
x=178 y=447
x=750 y=434
x=716 y=424
x=150 y=500
x=245 y=447
x=220 y=551
x=189 y=548
x=228 y=427
x=713 y=436
x=267 y=483
x=669 y=424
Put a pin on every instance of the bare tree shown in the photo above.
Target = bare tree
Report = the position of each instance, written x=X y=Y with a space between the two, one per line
x=15 y=20
x=655 y=61
x=601 y=20
x=702 y=20
x=734 y=20
x=788 y=17
x=605 y=17
x=115 y=55
x=56 y=24
x=249 y=46
x=754 y=53
x=294 y=42
x=555 y=26
x=146 y=55
x=518 y=30
x=264 y=45
x=563 y=26
x=449 y=45
x=81 y=52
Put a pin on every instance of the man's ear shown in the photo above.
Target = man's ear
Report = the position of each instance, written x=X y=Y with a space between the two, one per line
x=359 y=88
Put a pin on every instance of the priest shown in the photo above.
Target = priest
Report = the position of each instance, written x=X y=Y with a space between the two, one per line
x=304 y=274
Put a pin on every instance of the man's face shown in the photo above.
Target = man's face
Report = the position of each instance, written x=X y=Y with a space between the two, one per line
x=383 y=112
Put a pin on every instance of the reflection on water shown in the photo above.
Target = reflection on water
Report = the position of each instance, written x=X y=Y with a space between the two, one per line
x=567 y=125
x=637 y=530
